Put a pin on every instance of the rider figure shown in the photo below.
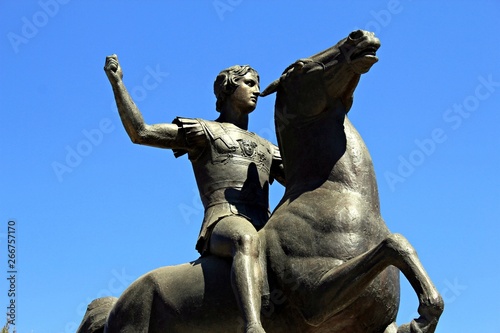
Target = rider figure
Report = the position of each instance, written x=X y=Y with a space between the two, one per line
x=233 y=169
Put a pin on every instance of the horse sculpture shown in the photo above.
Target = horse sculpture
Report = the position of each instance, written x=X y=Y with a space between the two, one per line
x=333 y=266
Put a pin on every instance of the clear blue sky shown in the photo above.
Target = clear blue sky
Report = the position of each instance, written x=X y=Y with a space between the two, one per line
x=94 y=211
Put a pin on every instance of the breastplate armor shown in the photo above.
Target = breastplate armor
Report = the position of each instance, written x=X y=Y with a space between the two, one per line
x=232 y=170
x=234 y=167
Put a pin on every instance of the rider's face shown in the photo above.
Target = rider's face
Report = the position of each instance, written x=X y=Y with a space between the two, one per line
x=244 y=98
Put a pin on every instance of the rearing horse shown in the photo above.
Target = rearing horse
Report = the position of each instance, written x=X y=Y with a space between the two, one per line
x=332 y=263
x=327 y=233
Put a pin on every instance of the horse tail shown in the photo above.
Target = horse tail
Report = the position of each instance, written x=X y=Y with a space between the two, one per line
x=96 y=315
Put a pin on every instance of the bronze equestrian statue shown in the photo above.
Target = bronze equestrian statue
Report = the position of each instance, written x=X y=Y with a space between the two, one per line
x=333 y=265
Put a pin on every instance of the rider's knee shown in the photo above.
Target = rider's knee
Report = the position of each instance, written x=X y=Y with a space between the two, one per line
x=248 y=244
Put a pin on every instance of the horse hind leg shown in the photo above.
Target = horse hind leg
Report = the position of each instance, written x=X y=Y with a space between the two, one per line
x=96 y=315
x=342 y=285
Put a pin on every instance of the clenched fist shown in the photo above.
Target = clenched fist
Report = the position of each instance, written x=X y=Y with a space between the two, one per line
x=113 y=69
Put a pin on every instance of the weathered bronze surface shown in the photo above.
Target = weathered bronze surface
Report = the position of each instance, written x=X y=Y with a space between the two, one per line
x=332 y=264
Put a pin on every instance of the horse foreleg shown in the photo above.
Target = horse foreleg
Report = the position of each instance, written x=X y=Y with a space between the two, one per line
x=343 y=284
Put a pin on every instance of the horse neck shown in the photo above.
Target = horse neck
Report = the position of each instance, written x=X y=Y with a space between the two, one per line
x=327 y=152
x=355 y=169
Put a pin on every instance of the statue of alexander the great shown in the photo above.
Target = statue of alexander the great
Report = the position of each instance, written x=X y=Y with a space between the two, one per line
x=233 y=169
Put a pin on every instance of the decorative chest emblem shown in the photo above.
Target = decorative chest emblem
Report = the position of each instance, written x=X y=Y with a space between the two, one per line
x=247 y=147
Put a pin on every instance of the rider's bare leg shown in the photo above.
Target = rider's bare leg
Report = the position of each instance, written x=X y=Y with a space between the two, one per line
x=235 y=237
x=340 y=286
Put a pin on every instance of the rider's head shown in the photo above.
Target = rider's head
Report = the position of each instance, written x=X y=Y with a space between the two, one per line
x=227 y=81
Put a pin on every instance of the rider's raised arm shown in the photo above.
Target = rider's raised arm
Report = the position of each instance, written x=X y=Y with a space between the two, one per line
x=157 y=135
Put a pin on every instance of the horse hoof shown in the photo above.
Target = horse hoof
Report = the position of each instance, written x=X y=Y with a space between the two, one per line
x=421 y=325
x=416 y=326
x=432 y=308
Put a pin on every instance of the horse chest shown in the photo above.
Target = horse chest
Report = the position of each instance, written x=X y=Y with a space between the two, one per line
x=325 y=223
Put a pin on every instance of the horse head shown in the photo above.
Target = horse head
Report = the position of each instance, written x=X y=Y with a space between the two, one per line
x=331 y=76
x=313 y=96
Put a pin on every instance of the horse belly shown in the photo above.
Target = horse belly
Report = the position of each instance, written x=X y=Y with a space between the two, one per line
x=374 y=310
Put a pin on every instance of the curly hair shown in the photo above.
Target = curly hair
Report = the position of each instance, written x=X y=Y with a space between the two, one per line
x=227 y=82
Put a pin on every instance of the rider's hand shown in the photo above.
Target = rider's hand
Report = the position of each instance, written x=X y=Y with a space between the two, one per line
x=113 y=69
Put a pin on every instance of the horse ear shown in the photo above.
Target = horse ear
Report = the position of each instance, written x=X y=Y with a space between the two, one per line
x=296 y=67
x=272 y=88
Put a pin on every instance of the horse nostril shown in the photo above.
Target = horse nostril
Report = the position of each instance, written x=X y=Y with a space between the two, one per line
x=356 y=34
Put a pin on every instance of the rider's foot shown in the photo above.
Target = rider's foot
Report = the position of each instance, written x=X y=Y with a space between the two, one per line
x=254 y=328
